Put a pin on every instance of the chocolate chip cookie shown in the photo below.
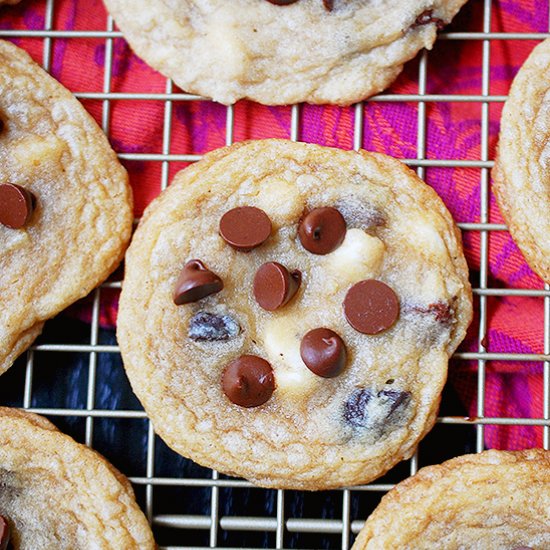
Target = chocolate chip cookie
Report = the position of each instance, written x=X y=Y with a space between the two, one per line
x=56 y=493
x=288 y=312
x=522 y=170
x=65 y=202
x=496 y=499
x=279 y=51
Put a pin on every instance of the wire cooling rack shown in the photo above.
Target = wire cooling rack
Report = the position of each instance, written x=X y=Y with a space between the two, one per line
x=73 y=374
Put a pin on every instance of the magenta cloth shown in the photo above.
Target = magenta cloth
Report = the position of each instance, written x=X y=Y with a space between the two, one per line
x=454 y=132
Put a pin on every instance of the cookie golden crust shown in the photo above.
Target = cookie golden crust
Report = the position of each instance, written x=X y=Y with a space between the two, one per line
x=57 y=493
x=281 y=54
x=82 y=219
x=522 y=170
x=314 y=432
x=495 y=499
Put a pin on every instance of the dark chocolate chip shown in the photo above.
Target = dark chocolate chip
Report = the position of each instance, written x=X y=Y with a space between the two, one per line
x=1 y=125
x=323 y=352
x=329 y=4
x=426 y=17
x=371 y=307
x=245 y=227
x=356 y=408
x=195 y=282
x=248 y=381
x=322 y=230
x=274 y=285
x=210 y=327
x=16 y=205
x=4 y=533
x=393 y=399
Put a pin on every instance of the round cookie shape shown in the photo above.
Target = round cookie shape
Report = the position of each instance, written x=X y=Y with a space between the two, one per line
x=313 y=432
x=522 y=169
x=495 y=499
x=65 y=203
x=282 y=52
x=57 y=493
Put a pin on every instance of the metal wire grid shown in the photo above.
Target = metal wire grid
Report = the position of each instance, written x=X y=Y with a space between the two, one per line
x=280 y=524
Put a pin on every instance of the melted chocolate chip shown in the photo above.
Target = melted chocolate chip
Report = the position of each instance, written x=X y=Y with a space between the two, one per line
x=209 y=327
x=248 y=381
x=371 y=307
x=274 y=285
x=441 y=311
x=16 y=205
x=245 y=227
x=426 y=17
x=329 y=4
x=4 y=533
x=384 y=404
x=1 y=125
x=322 y=230
x=323 y=352
x=195 y=282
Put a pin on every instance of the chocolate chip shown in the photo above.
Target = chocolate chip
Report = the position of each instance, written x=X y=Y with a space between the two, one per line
x=245 y=227
x=441 y=311
x=274 y=285
x=329 y=4
x=323 y=352
x=364 y=403
x=4 y=533
x=322 y=230
x=371 y=307
x=426 y=17
x=16 y=205
x=210 y=327
x=195 y=282
x=282 y=2
x=1 y=125
x=248 y=381
x=355 y=408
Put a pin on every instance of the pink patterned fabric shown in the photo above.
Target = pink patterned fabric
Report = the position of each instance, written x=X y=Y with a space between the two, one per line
x=515 y=324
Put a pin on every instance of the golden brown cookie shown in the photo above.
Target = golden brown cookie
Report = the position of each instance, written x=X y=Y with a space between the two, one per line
x=65 y=202
x=56 y=493
x=260 y=244
x=522 y=170
x=279 y=52
x=495 y=499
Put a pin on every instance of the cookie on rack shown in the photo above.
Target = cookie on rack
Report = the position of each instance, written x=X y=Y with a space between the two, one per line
x=57 y=493
x=282 y=51
x=288 y=312
x=65 y=202
x=495 y=499
x=522 y=169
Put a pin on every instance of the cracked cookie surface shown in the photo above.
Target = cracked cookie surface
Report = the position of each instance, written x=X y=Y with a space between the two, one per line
x=56 y=493
x=522 y=170
x=495 y=499
x=307 y=51
x=81 y=219
x=295 y=428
